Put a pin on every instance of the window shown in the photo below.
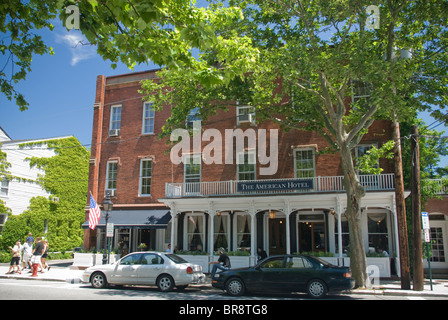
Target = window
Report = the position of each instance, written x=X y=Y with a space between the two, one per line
x=437 y=245
x=131 y=259
x=361 y=92
x=273 y=263
x=150 y=258
x=192 y=174
x=344 y=233
x=145 y=177
x=361 y=150
x=193 y=115
x=298 y=263
x=220 y=230
x=195 y=233
x=246 y=166
x=245 y=114
x=377 y=228
x=111 y=176
x=3 y=218
x=148 y=118
x=4 y=187
x=243 y=232
x=304 y=163
x=115 y=120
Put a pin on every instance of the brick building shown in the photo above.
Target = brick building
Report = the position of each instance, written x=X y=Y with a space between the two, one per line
x=234 y=204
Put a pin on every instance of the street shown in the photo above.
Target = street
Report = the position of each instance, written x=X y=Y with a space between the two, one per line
x=13 y=289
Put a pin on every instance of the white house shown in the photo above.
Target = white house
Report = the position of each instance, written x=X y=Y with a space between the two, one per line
x=17 y=192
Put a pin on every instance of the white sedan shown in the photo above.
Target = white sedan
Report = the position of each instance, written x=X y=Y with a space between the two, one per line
x=165 y=270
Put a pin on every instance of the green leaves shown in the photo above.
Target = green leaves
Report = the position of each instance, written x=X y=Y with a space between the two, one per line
x=18 y=22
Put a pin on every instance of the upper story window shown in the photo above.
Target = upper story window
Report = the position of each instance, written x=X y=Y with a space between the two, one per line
x=304 y=163
x=361 y=150
x=193 y=115
x=192 y=168
x=246 y=166
x=148 y=118
x=111 y=176
x=115 y=121
x=361 y=91
x=145 y=177
x=4 y=187
x=245 y=114
x=192 y=174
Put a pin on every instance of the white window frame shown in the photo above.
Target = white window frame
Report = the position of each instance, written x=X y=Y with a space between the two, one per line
x=4 y=185
x=107 y=175
x=114 y=124
x=241 y=161
x=194 y=215
x=296 y=171
x=242 y=110
x=141 y=178
x=147 y=106
x=355 y=84
x=187 y=162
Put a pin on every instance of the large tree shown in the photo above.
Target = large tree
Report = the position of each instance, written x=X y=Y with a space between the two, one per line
x=311 y=56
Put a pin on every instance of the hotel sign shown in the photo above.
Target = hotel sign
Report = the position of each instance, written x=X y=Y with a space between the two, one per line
x=281 y=185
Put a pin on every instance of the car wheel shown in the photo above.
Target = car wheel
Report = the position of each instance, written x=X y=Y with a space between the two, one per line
x=316 y=289
x=98 y=280
x=165 y=283
x=235 y=287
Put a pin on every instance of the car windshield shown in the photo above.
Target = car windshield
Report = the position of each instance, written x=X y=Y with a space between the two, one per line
x=176 y=259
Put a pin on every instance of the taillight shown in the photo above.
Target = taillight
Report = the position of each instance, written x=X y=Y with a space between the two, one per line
x=189 y=270
x=347 y=275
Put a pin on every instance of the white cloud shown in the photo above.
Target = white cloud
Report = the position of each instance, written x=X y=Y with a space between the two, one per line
x=79 y=46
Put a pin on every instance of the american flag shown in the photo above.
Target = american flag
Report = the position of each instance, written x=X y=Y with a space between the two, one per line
x=94 y=213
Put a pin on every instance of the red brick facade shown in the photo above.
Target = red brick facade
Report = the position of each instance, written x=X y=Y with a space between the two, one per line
x=130 y=146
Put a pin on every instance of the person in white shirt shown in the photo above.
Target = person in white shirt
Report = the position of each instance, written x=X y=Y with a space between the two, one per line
x=15 y=260
x=27 y=253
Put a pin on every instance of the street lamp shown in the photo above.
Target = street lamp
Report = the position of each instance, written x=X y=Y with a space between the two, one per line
x=107 y=207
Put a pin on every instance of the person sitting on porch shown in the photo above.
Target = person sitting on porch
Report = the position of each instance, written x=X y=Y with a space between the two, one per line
x=224 y=259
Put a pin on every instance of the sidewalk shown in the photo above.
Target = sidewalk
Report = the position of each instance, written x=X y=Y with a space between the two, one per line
x=62 y=271
x=393 y=288
x=59 y=271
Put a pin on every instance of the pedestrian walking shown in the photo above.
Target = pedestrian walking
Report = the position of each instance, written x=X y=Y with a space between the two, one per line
x=37 y=255
x=27 y=249
x=29 y=238
x=15 y=260
x=43 y=260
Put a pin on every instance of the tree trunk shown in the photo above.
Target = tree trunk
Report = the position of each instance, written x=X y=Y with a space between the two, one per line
x=355 y=192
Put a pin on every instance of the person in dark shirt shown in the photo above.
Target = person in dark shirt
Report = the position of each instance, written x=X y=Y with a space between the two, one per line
x=224 y=259
x=37 y=255
x=261 y=254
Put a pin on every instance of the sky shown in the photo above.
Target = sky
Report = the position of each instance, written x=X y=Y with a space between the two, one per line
x=61 y=91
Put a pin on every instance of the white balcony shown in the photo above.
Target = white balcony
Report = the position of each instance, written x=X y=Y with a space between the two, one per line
x=380 y=182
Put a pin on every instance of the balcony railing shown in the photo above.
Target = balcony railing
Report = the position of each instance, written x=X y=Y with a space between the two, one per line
x=438 y=186
x=381 y=182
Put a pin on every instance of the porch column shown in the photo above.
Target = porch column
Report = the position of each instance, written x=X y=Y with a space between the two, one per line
x=211 y=214
x=286 y=211
x=173 y=229
x=253 y=249
x=339 y=213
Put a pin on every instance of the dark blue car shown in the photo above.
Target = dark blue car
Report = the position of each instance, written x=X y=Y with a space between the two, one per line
x=286 y=273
